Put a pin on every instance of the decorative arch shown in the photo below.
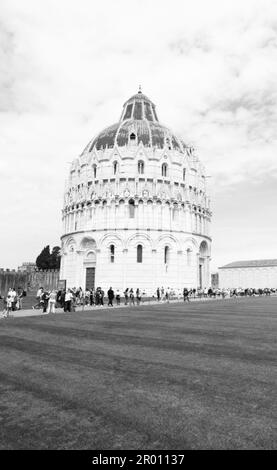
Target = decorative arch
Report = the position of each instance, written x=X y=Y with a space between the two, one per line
x=91 y=256
x=204 y=248
x=170 y=240
x=191 y=242
x=87 y=243
x=139 y=239
x=111 y=239
x=70 y=245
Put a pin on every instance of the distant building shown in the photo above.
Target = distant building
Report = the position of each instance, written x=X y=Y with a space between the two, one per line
x=27 y=267
x=254 y=273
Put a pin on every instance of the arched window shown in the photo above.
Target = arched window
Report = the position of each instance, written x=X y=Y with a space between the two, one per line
x=168 y=144
x=132 y=136
x=115 y=167
x=189 y=256
x=166 y=254
x=184 y=174
x=94 y=170
x=112 y=253
x=141 y=167
x=139 y=254
x=164 y=169
x=131 y=209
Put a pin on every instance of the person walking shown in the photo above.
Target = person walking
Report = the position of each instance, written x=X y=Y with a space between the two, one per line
x=44 y=301
x=110 y=297
x=186 y=294
x=52 y=302
x=38 y=298
x=68 y=300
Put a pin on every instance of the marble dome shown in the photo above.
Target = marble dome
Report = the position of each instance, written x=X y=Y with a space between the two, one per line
x=139 y=118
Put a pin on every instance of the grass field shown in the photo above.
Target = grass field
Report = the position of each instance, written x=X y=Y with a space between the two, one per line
x=192 y=376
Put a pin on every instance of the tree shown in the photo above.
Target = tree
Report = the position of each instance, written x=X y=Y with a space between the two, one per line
x=55 y=258
x=47 y=260
x=42 y=260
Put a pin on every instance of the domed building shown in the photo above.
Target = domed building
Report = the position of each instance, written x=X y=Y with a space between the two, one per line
x=136 y=210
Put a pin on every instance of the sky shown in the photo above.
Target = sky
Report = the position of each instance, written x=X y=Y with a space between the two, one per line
x=67 y=67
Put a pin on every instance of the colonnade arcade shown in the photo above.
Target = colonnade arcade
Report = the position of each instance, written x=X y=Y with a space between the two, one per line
x=121 y=262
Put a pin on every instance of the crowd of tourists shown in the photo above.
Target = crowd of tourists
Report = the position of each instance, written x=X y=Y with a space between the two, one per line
x=70 y=299
x=13 y=300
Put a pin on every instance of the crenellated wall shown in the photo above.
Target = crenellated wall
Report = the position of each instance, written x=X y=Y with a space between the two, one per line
x=30 y=281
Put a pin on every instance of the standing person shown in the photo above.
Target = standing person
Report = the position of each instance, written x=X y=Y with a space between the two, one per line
x=138 y=296
x=186 y=294
x=126 y=295
x=68 y=300
x=97 y=296
x=110 y=297
x=73 y=301
x=81 y=296
x=101 y=297
x=158 y=294
x=92 y=297
x=167 y=294
x=9 y=299
x=13 y=298
x=52 y=302
x=132 y=297
x=87 y=297
x=117 y=297
x=62 y=298
x=20 y=294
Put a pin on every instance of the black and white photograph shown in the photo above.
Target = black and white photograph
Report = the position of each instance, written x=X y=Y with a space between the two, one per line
x=138 y=233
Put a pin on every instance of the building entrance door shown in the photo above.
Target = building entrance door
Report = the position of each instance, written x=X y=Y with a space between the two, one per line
x=90 y=278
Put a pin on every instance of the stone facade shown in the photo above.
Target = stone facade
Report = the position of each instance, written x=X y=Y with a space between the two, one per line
x=249 y=274
x=136 y=210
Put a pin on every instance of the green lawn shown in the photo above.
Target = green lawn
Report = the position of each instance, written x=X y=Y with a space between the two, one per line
x=175 y=376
